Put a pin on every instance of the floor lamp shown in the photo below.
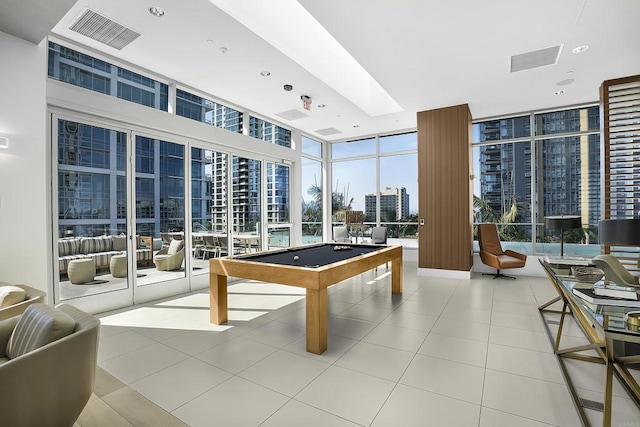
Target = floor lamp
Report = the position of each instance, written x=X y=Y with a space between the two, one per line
x=562 y=222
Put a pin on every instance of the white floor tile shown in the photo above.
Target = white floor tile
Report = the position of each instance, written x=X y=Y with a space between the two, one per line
x=119 y=344
x=530 y=340
x=492 y=418
x=543 y=401
x=515 y=308
x=138 y=364
x=194 y=342
x=394 y=337
x=461 y=329
x=300 y=372
x=348 y=394
x=236 y=355
x=275 y=334
x=298 y=414
x=528 y=363
x=410 y=407
x=425 y=308
x=530 y=322
x=236 y=402
x=369 y=313
x=455 y=349
x=178 y=384
x=444 y=377
x=408 y=320
x=624 y=412
x=383 y=362
x=456 y=312
x=445 y=352
x=350 y=328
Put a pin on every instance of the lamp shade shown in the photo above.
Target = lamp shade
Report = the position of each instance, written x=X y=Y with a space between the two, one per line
x=619 y=232
x=562 y=222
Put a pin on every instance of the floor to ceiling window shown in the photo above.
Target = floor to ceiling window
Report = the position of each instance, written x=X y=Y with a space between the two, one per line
x=160 y=207
x=542 y=164
x=92 y=208
x=312 y=196
x=374 y=182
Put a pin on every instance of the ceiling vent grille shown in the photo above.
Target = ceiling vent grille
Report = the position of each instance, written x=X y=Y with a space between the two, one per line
x=535 y=59
x=292 y=115
x=104 y=30
x=328 y=131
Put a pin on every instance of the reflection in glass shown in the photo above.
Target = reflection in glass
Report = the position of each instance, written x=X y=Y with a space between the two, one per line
x=579 y=119
x=160 y=208
x=203 y=110
x=503 y=129
x=568 y=172
x=343 y=150
x=208 y=207
x=311 y=201
x=92 y=207
x=269 y=132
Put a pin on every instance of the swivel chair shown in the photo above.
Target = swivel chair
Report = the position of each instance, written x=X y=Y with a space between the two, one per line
x=491 y=252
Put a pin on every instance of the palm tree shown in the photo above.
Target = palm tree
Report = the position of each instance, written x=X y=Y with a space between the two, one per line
x=483 y=212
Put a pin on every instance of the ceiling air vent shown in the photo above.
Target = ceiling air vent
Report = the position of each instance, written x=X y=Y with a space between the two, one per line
x=104 y=30
x=535 y=59
x=292 y=115
x=328 y=131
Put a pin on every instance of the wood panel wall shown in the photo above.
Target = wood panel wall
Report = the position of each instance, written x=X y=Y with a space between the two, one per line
x=445 y=200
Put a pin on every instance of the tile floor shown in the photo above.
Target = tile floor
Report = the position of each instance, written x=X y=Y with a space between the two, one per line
x=444 y=353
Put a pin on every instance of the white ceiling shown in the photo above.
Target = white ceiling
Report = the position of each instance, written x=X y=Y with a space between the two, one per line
x=425 y=53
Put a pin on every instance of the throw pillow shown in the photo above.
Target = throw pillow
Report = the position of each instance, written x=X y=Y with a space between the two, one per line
x=174 y=247
x=119 y=243
x=39 y=325
x=11 y=295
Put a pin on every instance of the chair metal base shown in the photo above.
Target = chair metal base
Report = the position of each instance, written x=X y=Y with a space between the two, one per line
x=498 y=274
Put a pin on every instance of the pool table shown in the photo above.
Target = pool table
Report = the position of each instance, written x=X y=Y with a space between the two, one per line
x=314 y=267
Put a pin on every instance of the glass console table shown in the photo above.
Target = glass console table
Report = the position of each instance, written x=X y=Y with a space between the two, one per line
x=607 y=331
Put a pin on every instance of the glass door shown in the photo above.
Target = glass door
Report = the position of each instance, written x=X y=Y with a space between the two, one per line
x=160 y=218
x=92 y=245
x=278 y=206
x=209 y=209
x=246 y=206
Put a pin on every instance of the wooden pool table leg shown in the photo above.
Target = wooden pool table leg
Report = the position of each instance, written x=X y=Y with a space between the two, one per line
x=218 y=299
x=317 y=320
x=396 y=275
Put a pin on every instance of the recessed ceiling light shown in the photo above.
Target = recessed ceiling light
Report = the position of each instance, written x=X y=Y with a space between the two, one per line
x=580 y=49
x=223 y=49
x=320 y=105
x=560 y=92
x=210 y=41
x=565 y=82
x=265 y=74
x=156 y=11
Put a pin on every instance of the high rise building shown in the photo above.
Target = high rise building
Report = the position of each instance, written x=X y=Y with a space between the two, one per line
x=394 y=205
x=568 y=166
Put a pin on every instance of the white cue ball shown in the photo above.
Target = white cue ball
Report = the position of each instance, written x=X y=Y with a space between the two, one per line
x=295 y=258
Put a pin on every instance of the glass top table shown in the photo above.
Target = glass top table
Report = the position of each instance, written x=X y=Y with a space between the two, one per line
x=606 y=329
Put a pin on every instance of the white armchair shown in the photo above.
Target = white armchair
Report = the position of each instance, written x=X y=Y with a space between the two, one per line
x=48 y=361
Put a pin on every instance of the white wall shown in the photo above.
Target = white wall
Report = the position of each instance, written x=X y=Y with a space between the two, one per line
x=24 y=170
